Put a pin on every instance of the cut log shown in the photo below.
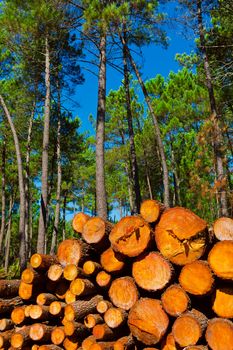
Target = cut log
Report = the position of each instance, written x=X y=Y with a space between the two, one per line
x=5 y=338
x=27 y=310
x=196 y=347
x=111 y=261
x=39 y=312
x=152 y=272
x=107 y=345
x=219 y=334
x=62 y=287
x=79 y=221
x=103 y=332
x=96 y=231
x=6 y=324
x=221 y=259
x=169 y=343
x=45 y=298
x=151 y=209
x=71 y=327
x=39 y=331
x=147 y=321
x=189 y=327
x=70 y=272
x=196 y=278
x=181 y=236
x=91 y=267
x=9 y=288
x=86 y=343
x=130 y=236
x=115 y=317
x=175 y=300
x=81 y=308
x=91 y=320
x=82 y=287
x=18 y=315
x=123 y=292
x=103 y=279
x=42 y=261
x=223 y=229
x=70 y=344
x=56 y=308
x=50 y=347
x=31 y=276
x=103 y=306
x=7 y=305
x=223 y=302
x=26 y=290
x=57 y=335
x=125 y=343
x=73 y=251
x=21 y=338
x=55 y=272
x=70 y=297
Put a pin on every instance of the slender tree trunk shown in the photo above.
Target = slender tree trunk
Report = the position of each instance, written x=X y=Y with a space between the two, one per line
x=44 y=177
x=64 y=216
x=101 y=200
x=27 y=181
x=176 y=179
x=30 y=226
x=135 y=176
x=59 y=173
x=217 y=137
x=156 y=125
x=22 y=249
x=8 y=235
x=3 y=220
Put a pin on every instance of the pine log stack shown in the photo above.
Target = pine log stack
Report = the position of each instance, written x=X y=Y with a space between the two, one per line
x=159 y=280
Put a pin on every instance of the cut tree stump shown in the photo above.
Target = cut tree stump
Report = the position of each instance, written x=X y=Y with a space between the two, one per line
x=181 y=236
x=223 y=229
x=220 y=259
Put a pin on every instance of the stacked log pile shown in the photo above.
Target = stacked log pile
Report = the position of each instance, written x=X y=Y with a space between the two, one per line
x=160 y=280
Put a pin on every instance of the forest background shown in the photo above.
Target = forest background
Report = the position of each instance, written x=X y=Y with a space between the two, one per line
x=166 y=137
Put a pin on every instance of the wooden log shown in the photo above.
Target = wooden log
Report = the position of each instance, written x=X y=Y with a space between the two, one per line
x=103 y=306
x=125 y=343
x=91 y=268
x=196 y=278
x=223 y=302
x=123 y=292
x=103 y=332
x=70 y=343
x=18 y=315
x=152 y=272
x=130 y=236
x=39 y=331
x=77 y=330
x=70 y=297
x=196 y=347
x=9 y=288
x=169 y=343
x=81 y=308
x=26 y=290
x=96 y=231
x=115 y=317
x=103 y=279
x=35 y=347
x=39 y=312
x=70 y=272
x=189 y=327
x=50 y=347
x=27 y=310
x=79 y=221
x=21 y=338
x=151 y=209
x=111 y=261
x=82 y=287
x=31 y=276
x=7 y=305
x=220 y=259
x=181 y=236
x=42 y=261
x=102 y=346
x=86 y=343
x=92 y=319
x=56 y=308
x=73 y=251
x=147 y=321
x=175 y=300
x=61 y=289
x=5 y=338
x=223 y=229
x=57 y=335
x=45 y=298
x=219 y=334
x=6 y=324
x=55 y=272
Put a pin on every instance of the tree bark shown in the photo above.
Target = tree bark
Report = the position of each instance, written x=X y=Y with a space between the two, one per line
x=8 y=235
x=133 y=156
x=45 y=155
x=3 y=220
x=101 y=200
x=59 y=172
x=22 y=249
x=64 y=216
x=156 y=125
x=217 y=134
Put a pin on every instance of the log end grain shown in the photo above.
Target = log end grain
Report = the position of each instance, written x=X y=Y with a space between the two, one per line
x=219 y=334
x=111 y=261
x=150 y=210
x=223 y=229
x=123 y=292
x=79 y=221
x=175 y=300
x=223 y=302
x=220 y=259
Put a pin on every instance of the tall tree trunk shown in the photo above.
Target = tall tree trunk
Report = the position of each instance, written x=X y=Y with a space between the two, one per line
x=8 y=235
x=64 y=216
x=27 y=181
x=156 y=125
x=217 y=134
x=44 y=177
x=59 y=172
x=3 y=220
x=101 y=200
x=22 y=249
x=135 y=177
